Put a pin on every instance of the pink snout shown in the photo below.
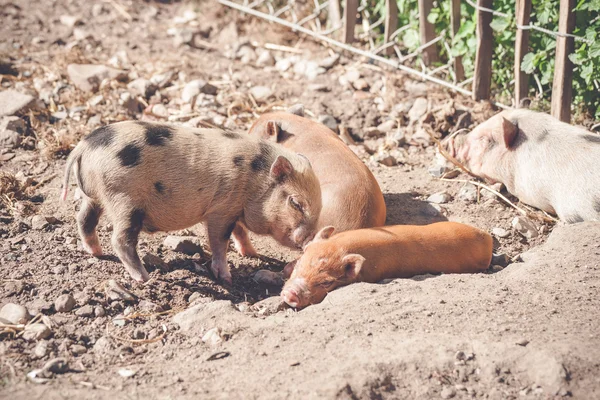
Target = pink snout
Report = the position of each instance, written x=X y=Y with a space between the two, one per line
x=290 y=297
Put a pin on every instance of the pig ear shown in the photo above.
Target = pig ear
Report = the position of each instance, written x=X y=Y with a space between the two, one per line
x=289 y=268
x=324 y=234
x=296 y=109
x=508 y=132
x=281 y=168
x=525 y=103
x=272 y=131
x=352 y=265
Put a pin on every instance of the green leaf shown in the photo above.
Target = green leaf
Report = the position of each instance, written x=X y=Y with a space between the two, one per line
x=500 y=24
x=527 y=64
x=411 y=39
x=576 y=58
x=433 y=17
x=594 y=50
x=586 y=72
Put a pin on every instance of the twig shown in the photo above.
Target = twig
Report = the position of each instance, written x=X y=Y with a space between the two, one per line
x=449 y=157
x=93 y=385
x=121 y=10
x=278 y=47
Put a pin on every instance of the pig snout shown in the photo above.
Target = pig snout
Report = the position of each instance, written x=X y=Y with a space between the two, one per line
x=293 y=292
x=302 y=236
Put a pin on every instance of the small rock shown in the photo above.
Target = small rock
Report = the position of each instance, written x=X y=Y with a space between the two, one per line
x=460 y=356
x=500 y=232
x=328 y=121
x=266 y=277
x=87 y=77
x=418 y=109
x=11 y=102
x=194 y=296
x=41 y=349
x=448 y=393
x=36 y=332
x=159 y=110
x=387 y=159
x=11 y=130
x=351 y=76
x=78 y=349
x=103 y=346
x=360 y=84
x=14 y=314
x=269 y=306
x=193 y=88
x=142 y=87
x=69 y=20
x=261 y=93
x=438 y=171
x=387 y=126
x=329 y=62
x=115 y=292
x=496 y=268
x=146 y=305
x=319 y=87
x=265 y=59
x=525 y=227
x=283 y=64
x=189 y=245
x=212 y=337
x=439 y=198
x=99 y=311
x=431 y=210
x=468 y=193
x=522 y=342
x=246 y=54
x=126 y=373
x=153 y=261
x=64 y=303
x=85 y=311
x=138 y=334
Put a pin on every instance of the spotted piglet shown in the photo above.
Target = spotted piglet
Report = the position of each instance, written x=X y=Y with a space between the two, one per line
x=154 y=177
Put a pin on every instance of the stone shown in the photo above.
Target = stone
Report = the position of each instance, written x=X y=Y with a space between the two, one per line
x=138 y=334
x=39 y=222
x=246 y=54
x=193 y=88
x=87 y=77
x=69 y=20
x=193 y=318
x=116 y=292
x=142 y=87
x=11 y=130
x=360 y=84
x=312 y=70
x=153 y=261
x=266 y=277
x=41 y=349
x=500 y=232
x=418 y=109
x=146 y=305
x=522 y=342
x=269 y=306
x=12 y=102
x=501 y=259
x=468 y=193
x=448 y=392
x=261 y=93
x=85 y=311
x=194 y=296
x=328 y=121
x=78 y=350
x=439 y=198
x=103 y=346
x=36 y=332
x=64 y=303
x=159 y=110
x=265 y=59
x=386 y=159
x=212 y=337
x=189 y=245
x=525 y=227
x=14 y=314
x=99 y=311
x=284 y=64
x=351 y=76
x=329 y=62
x=387 y=126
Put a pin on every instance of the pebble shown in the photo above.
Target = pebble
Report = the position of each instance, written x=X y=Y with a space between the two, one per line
x=265 y=59
x=85 y=311
x=448 y=393
x=87 y=77
x=351 y=76
x=14 y=314
x=142 y=87
x=328 y=121
x=36 y=332
x=500 y=232
x=460 y=356
x=387 y=126
x=64 y=303
x=284 y=64
x=418 y=109
x=138 y=334
x=103 y=346
x=329 y=62
x=439 y=198
x=212 y=337
x=189 y=245
x=11 y=130
x=500 y=259
x=269 y=306
x=360 y=84
x=266 y=277
x=115 y=292
x=261 y=93
x=468 y=193
x=69 y=20
x=11 y=102
x=496 y=268
x=525 y=227
x=387 y=160
x=522 y=342
x=159 y=110
x=78 y=349
x=126 y=373
x=149 y=306
x=193 y=88
x=153 y=261
x=99 y=311
x=41 y=349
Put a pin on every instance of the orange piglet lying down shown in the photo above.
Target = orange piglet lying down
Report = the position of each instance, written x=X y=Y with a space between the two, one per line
x=374 y=254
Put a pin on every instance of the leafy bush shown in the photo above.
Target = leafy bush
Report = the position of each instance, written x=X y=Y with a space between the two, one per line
x=538 y=62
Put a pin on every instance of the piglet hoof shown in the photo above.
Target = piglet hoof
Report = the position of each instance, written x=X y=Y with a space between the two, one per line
x=140 y=276
x=221 y=272
x=245 y=250
x=93 y=247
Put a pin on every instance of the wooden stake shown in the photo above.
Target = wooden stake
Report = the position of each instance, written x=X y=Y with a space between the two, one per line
x=482 y=77
x=427 y=31
x=334 y=15
x=459 y=70
x=521 y=47
x=350 y=20
x=391 y=22
x=562 y=86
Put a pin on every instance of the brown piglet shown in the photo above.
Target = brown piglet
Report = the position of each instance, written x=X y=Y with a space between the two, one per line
x=351 y=196
x=371 y=255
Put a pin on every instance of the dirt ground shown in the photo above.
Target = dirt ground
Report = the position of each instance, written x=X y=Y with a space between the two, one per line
x=529 y=330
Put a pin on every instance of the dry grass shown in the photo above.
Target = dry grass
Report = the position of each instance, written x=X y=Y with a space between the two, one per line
x=15 y=194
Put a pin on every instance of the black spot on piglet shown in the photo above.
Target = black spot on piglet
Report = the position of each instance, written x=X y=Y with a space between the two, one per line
x=160 y=188
x=129 y=155
x=238 y=161
x=156 y=135
x=231 y=135
x=101 y=137
x=136 y=220
x=260 y=162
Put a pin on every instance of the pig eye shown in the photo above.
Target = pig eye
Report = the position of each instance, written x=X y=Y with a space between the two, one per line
x=327 y=284
x=294 y=203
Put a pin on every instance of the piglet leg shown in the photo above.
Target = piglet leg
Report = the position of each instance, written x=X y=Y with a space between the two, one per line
x=241 y=241
x=87 y=221
x=124 y=242
x=218 y=238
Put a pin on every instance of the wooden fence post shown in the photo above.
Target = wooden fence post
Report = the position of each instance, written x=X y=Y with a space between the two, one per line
x=562 y=86
x=459 y=70
x=391 y=22
x=350 y=20
x=334 y=14
x=482 y=76
x=523 y=13
x=427 y=31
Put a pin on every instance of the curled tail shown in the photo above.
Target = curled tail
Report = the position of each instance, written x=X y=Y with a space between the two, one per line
x=73 y=157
